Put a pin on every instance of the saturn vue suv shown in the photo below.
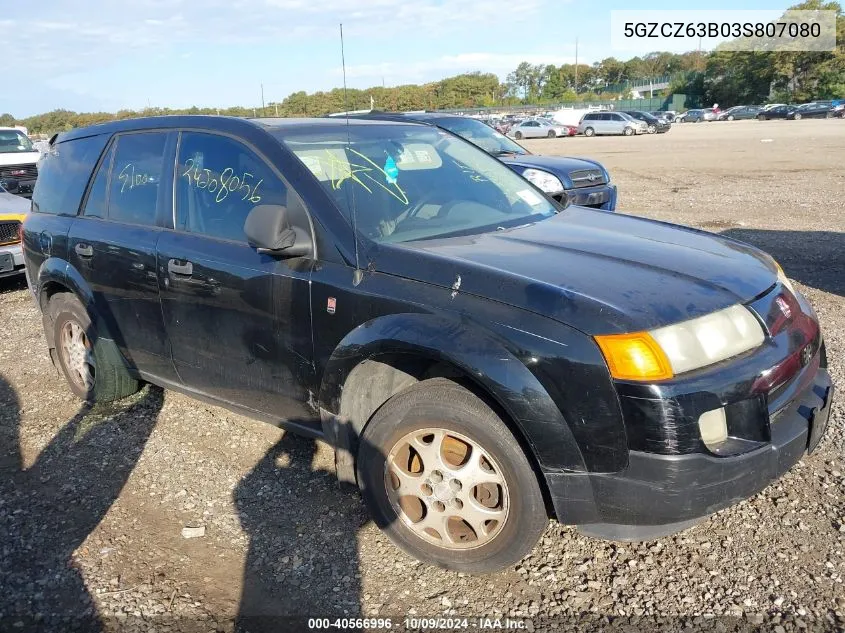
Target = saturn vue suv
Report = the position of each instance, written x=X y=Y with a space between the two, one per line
x=479 y=355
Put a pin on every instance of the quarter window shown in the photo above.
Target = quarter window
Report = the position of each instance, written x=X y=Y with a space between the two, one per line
x=219 y=181
x=136 y=178
x=95 y=206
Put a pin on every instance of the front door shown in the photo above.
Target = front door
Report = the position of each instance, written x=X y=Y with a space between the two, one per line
x=112 y=245
x=239 y=321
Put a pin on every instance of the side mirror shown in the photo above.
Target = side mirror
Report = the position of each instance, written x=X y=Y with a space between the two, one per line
x=268 y=229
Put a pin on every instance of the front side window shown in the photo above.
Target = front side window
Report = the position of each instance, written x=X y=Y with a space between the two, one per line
x=411 y=182
x=14 y=142
x=219 y=181
x=136 y=176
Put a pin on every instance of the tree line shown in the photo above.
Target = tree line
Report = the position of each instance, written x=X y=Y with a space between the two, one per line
x=726 y=78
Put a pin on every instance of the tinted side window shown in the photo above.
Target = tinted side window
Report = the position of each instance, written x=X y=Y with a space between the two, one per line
x=219 y=182
x=135 y=177
x=590 y=117
x=95 y=206
x=64 y=174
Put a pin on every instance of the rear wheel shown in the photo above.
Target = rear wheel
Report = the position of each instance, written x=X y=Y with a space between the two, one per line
x=589 y=131
x=92 y=367
x=730 y=117
x=797 y=116
x=518 y=136
x=551 y=134
x=829 y=115
x=446 y=480
x=628 y=131
x=652 y=129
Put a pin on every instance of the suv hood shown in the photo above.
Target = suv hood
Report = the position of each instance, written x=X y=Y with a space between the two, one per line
x=19 y=158
x=598 y=272
x=557 y=165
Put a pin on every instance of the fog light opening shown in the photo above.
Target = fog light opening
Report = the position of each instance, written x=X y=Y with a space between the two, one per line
x=713 y=427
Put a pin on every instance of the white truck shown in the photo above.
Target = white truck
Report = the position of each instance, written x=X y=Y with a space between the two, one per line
x=18 y=161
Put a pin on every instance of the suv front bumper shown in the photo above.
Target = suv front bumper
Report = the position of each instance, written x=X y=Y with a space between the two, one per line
x=599 y=197
x=657 y=495
x=11 y=260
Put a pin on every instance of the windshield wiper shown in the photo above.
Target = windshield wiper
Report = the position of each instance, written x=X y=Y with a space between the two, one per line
x=507 y=152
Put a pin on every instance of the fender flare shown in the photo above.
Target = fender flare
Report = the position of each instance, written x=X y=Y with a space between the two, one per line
x=480 y=355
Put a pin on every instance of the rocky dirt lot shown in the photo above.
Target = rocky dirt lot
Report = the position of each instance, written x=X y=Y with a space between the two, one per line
x=93 y=502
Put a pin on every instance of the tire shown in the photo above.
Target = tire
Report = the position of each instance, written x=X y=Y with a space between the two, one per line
x=628 y=131
x=588 y=131
x=446 y=407
x=107 y=376
x=652 y=129
x=828 y=115
x=730 y=117
x=551 y=134
x=797 y=117
x=518 y=136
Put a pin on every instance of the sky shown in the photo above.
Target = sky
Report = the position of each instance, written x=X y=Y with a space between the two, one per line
x=105 y=55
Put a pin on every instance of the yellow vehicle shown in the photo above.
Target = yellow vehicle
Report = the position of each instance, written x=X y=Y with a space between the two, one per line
x=13 y=210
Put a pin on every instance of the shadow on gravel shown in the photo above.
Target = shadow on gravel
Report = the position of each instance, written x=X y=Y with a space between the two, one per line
x=12 y=284
x=49 y=509
x=814 y=258
x=303 y=552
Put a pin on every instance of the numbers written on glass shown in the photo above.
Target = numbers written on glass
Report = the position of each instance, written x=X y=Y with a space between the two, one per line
x=130 y=178
x=223 y=185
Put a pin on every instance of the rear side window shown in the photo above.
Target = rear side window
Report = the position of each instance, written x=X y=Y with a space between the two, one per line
x=95 y=206
x=64 y=174
x=136 y=175
x=219 y=182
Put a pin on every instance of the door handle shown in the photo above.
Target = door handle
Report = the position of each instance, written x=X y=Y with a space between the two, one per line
x=84 y=250
x=178 y=267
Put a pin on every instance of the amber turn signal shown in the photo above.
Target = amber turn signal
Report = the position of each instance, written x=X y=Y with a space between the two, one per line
x=634 y=357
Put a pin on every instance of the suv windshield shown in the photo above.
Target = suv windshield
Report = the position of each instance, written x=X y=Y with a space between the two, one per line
x=479 y=134
x=13 y=141
x=413 y=182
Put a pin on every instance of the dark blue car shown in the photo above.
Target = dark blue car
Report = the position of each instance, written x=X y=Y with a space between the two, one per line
x=574 y=180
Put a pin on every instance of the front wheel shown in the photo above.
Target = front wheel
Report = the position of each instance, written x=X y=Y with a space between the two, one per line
x=589 y=131
x=518 y=136
x=730 y=117
x=797 y=117
x=551 y=134
x=628 y=131
x=829 y=115
x=652 y=129
x=446 y=480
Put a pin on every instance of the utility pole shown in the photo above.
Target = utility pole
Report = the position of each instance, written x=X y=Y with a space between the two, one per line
x=576 y=65
x=263 y=109
x=277 y=108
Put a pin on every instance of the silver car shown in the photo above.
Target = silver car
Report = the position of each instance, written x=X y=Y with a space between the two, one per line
x=594 y=123
x=537 y=128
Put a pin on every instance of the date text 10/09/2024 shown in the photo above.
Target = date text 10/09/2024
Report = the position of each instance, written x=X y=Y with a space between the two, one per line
x=420 y=624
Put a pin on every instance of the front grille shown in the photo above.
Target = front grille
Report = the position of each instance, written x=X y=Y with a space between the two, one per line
x=20 y=172
x=587 y=177
x=9 y=231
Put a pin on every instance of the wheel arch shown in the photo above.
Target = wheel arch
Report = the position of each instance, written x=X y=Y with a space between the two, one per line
x=385 y=356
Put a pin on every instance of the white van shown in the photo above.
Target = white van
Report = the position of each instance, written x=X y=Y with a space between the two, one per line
x=18 y=161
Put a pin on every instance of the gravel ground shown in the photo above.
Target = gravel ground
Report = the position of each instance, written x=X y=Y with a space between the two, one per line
x=93 y=502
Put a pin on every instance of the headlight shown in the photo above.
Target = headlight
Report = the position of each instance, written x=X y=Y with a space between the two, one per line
x=662 y=353
x=544 y=180
x=783 y=279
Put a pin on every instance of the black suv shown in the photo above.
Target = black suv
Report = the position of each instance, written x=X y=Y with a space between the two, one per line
x=655 y=124
x=471 y=348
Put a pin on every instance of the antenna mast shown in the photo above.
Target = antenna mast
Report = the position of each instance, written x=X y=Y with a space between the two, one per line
x=358 y=275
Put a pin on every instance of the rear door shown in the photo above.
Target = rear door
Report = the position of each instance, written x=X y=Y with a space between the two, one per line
x=113 y=244
x=239 y=320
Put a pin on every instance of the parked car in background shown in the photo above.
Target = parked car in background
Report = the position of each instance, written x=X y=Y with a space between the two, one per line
x=668 y=117
x=18 y=162
x=777 y=112
x=655 y=125
x=815 y=110
x=739 y=113
x=478 y=356
x=13 y=210
x=569 y=180
x=598 y=123
x=537 y=128
x=697 y=115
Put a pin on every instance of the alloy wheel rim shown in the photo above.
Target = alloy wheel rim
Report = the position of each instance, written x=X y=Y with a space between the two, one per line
x=446 y=488
x=77 y=355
